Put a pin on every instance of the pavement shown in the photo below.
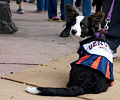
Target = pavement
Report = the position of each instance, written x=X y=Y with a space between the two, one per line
x=35 y=55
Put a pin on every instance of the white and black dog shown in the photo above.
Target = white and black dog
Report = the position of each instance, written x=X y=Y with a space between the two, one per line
x=93 y=71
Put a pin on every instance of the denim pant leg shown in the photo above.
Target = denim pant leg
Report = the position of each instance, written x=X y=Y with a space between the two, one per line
x=86 y=9
x=46 y=4
x=113 y=43
x=78 y=3
x=52 y=8
x=40 y=4
x=63 y=6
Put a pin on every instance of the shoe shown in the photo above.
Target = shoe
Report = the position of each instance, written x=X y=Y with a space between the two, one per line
x=39 y=11
x=63 y=20
x=77 y=4
x=65 y=32
x=114 y=54
x=31 y=1
x=20 y=11
x=46 y=11
x=54 y=19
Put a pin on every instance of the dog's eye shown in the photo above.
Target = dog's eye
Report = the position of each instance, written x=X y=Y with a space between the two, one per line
x=83 y=26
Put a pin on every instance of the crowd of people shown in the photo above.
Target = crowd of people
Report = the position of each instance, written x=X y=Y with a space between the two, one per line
x=113 y=34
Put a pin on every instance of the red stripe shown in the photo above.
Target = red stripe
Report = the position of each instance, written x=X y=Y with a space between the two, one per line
x=83 y=58
x=108 y=71
x=96 y=62
x=112 y=83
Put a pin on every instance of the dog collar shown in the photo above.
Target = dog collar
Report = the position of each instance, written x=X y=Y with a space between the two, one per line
x=100 y=35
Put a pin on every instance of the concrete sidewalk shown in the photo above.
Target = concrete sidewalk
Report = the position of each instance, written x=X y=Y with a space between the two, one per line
x=37 y=43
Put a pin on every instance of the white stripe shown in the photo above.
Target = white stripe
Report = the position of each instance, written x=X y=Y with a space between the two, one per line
x=32 y=90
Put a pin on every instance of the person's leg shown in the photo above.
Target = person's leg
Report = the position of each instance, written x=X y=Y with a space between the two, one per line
x=40 y=5
x=62 y=9
x=63 y=6
x=66 y=31
x=78 y=3
x=52 y=8
x=20 y=10
x=46 y=4
x=21 y=5
x=86 y=7
x=69 y=2
x=114 y=43
x=98 y=5
x=52 y=11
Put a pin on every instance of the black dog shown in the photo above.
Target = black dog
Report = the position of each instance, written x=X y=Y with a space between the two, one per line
x=93 y=71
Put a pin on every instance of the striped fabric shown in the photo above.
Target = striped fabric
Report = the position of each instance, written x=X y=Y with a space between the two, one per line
x=95 y=61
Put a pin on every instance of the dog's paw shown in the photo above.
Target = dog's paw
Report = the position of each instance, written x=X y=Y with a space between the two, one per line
x=33 y=90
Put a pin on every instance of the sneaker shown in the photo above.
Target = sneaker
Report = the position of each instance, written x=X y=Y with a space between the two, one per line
x=24 y=0
x=31 y=1
x=54 y=19
x=46 y=11
x=63 y=20
x=39 y=11
x=78 y=5
x=114 y=54
x=20 y=11
x=65 y=32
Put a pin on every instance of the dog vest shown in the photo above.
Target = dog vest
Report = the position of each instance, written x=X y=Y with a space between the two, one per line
x=97 y=55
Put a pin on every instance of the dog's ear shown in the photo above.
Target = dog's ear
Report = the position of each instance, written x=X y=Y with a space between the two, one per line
x=71 y=13
x=96 y=19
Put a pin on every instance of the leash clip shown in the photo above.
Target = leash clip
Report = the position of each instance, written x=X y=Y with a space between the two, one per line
x=106 y=27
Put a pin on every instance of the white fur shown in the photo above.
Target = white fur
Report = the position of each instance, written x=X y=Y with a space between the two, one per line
x=77 y=26
x=32 y=90
x=77 y=37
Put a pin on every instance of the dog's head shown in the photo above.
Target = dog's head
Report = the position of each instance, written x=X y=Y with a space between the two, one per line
x=82 y=26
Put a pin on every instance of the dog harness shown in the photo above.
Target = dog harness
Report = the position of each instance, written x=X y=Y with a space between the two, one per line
x=97 y=55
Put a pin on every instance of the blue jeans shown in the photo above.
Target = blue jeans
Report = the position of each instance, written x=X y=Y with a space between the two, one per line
x=42 y=4
x=63 y=6
x=78 y=3
x=52 y=8
x=86 y=7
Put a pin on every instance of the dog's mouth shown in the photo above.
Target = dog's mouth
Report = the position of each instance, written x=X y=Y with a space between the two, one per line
x=82 y=36
x=75 y=33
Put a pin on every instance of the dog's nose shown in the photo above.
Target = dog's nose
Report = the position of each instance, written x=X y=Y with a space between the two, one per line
x=74 y=31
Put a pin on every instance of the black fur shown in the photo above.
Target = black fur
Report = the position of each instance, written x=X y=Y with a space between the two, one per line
x=82 y=79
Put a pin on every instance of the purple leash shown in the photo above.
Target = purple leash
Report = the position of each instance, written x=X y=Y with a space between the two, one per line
x=108 y=19
x=110 y=11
